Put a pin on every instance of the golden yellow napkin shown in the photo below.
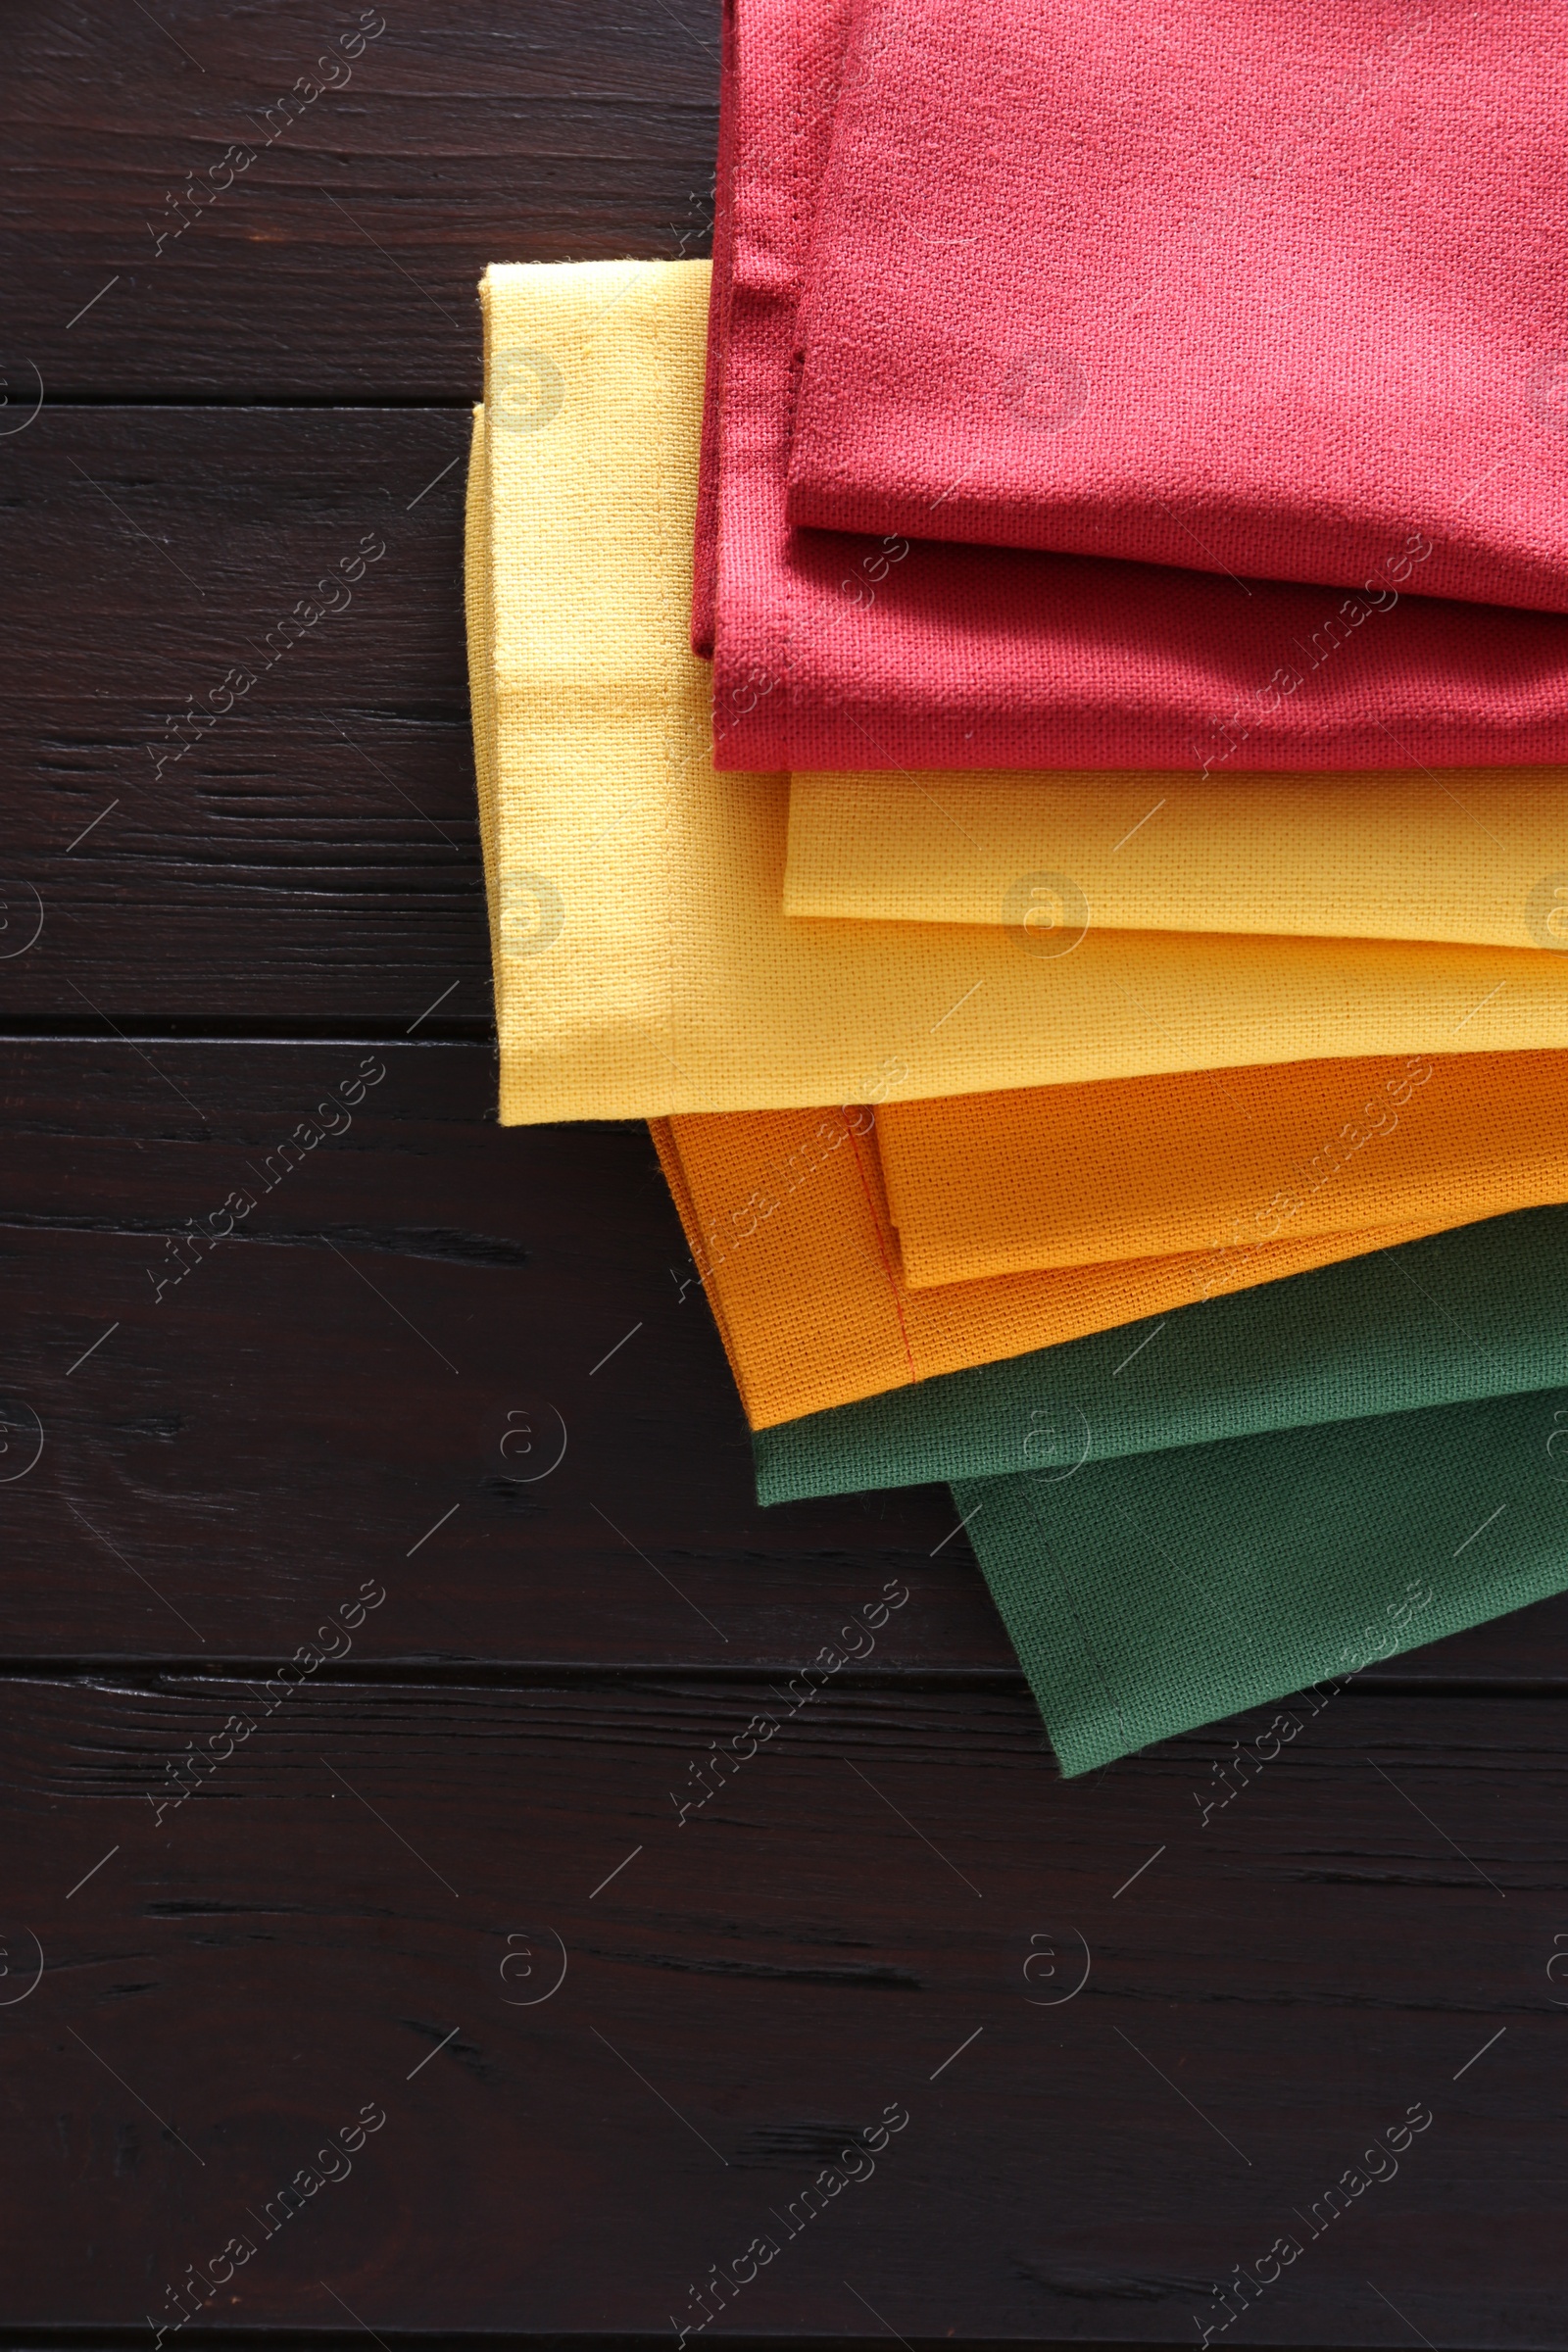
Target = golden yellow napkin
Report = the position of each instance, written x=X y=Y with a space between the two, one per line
x=644 y=963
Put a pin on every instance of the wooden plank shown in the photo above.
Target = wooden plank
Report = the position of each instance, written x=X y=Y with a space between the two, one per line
x=293 y=1413
x=369 y=1905
x=309 y=851
x=226 y=1462
x=360 y=1909
x=340 y=260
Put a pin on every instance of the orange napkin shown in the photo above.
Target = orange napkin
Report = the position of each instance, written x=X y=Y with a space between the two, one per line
x=790 y=1237
x=1221 y=1160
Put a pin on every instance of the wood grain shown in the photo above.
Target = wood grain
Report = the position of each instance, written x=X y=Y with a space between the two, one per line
x=333 y=1908
x=321 y=1386
x=345 y=1415
x=343 y=260
x=311 y=853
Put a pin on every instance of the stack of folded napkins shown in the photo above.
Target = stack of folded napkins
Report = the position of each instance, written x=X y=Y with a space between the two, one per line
x=1021 y=722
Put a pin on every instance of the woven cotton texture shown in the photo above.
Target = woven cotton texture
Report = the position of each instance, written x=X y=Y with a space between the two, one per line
x=1149 y=1596
x=1473 y=857
x=644 y=965
x=1227 y=1162
x=840 y=652
x=1474 y=1313
x=705 y=566
x=1280 y=297
x=790 y=1238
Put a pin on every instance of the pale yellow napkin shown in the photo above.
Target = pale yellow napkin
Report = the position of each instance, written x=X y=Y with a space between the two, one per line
x=644 y=962
x=1475 y=857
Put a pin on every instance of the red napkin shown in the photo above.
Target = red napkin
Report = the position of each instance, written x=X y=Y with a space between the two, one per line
x=840 y=651
x=1259 y=286
x=705 y=569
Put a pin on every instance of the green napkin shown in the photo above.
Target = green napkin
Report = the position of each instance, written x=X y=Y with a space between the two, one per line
x=1471 y=1313
x=1148 y=1595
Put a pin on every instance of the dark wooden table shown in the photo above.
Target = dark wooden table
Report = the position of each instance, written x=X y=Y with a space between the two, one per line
x=344 y=1726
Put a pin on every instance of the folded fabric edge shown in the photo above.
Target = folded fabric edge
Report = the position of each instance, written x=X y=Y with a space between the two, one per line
x=691 y=1225
x=480 y=624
